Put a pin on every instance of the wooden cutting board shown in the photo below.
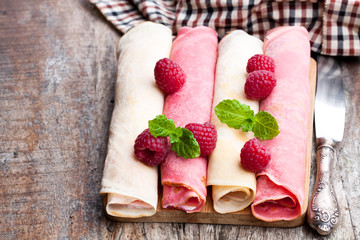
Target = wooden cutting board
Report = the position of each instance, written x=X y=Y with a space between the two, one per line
x=244 y=217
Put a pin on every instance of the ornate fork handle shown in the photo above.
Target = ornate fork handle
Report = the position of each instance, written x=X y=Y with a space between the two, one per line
x=323 y=212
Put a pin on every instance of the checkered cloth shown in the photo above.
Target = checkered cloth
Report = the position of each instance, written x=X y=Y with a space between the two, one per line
x=334 y=25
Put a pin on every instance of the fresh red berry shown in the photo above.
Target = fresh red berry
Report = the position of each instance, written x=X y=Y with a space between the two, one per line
x=205 y=134
x=260 y=62
x=169 y=76
x=151 y=150
x=254 y=155
x=259 y=84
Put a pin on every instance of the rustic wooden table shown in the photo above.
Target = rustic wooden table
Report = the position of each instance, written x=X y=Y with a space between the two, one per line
x=57 y=76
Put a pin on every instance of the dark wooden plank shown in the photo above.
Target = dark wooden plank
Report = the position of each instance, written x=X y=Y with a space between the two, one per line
x=57 y=73
x=348 y=163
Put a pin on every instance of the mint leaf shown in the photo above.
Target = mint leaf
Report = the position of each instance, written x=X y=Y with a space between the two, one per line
x=248 y=124
x=237 y=115
x=182 y=140
x=233 y=113
x=161 y=126
x=187 y=146
x=266 y=126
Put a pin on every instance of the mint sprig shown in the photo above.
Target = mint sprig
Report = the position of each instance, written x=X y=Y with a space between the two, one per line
x=237 y=115
x=182 y=140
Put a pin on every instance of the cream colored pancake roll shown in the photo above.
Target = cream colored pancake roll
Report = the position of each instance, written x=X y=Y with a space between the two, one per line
x=129 y=186
x=233 y=188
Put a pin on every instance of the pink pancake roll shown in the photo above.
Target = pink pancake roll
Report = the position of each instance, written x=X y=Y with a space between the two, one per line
x=281 y=186
x=184 y=180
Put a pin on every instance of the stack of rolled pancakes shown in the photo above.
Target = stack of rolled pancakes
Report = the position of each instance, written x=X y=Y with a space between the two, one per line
x=214 y=72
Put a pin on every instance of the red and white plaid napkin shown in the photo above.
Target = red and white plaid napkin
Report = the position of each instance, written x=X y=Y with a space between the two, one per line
x=334 y=25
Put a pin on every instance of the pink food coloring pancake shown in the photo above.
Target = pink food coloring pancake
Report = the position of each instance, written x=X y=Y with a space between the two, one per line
x=281 y=186
x=184 y=180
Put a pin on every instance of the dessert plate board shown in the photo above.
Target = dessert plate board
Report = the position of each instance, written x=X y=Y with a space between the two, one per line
x=244 y=217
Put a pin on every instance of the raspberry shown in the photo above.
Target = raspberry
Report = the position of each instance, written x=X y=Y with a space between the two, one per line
x=260 y=62
x=259 y=84
x=169 y=76
x=205 y=134
x=151 y=150
x=254 y=156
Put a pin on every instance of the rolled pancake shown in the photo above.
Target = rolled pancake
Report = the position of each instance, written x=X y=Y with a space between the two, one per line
x=184 y=180
x=233 y=188
x=281 y=186
x=130 y=186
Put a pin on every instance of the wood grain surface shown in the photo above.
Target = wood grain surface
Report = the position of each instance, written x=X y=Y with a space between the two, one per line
x=57 y=77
